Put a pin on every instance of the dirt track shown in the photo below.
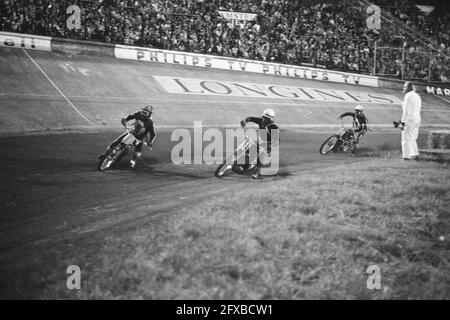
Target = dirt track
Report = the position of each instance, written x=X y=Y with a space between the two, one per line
x=53 y=199
x=53 y=202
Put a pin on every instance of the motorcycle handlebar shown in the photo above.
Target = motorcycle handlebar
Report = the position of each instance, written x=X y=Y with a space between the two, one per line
x=342 y=124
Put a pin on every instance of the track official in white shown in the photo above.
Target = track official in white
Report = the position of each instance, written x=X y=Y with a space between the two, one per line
x=411 y=105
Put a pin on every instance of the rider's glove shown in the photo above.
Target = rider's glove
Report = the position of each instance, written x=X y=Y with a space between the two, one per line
x=243 y=123
x=124 y=121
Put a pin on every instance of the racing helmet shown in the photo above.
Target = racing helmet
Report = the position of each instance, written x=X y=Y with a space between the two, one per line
x=147 y=110
x=359 y=109
x=269 y=113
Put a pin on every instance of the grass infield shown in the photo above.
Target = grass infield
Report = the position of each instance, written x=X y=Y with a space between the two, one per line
x=308 y=236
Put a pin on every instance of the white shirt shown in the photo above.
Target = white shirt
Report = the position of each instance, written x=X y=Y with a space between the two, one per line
x=411 y=105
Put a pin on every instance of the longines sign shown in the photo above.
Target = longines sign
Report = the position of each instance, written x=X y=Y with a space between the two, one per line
x=225 y=63
x=270 y=91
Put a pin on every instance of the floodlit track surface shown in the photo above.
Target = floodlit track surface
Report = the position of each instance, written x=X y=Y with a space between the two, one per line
x=54 y=202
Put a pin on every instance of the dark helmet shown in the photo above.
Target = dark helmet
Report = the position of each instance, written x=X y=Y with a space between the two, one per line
x=147 y=111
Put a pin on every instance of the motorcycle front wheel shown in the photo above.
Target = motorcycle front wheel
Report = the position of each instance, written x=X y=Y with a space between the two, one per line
x=329 y=144
x=223 y=170
x=107 y=161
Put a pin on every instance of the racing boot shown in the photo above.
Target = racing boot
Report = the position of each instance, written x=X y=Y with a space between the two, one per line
x=251 y=167
x=136 y=156
x=354 y=148
x=257 y=173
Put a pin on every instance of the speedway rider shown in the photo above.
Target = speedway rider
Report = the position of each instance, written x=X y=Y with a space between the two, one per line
x=266 y=123
x=359 y=122
x=144 y=125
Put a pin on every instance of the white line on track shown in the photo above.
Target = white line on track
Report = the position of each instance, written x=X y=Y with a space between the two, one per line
x=442 y=98
x=56 y=87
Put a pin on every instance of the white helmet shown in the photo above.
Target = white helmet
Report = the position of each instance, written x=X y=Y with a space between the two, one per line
x=359 y=108
x=269 y=113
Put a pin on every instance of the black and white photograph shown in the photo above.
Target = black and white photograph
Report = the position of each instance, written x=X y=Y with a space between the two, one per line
x=224 y=155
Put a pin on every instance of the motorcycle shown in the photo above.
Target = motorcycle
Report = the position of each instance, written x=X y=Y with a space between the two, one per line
x=232 y=164
x=344 y=140
x=128 y=142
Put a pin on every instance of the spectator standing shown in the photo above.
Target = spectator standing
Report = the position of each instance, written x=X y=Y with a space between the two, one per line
x=412 y=104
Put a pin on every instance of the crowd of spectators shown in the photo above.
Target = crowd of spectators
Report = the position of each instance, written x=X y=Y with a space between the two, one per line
x=422 y=24
x=331 y=34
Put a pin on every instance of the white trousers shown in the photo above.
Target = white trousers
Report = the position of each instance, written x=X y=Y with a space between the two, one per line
x=409 y=141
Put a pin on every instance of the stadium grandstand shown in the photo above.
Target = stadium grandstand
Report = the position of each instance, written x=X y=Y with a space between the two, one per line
x=403 y=39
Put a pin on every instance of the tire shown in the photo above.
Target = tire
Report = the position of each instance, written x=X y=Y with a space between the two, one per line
x=108 y=160
x=223 y=170
x=329 y=144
